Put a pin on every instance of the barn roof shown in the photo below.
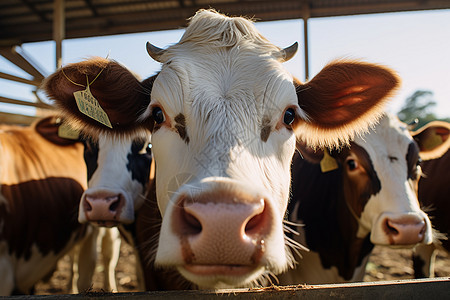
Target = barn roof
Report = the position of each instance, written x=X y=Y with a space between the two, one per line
x=23 y=21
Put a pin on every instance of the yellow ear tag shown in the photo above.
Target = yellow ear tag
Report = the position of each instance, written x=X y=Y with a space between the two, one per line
x=67 y=132
x=432 y=141
x=89 y=106
x=328 y=163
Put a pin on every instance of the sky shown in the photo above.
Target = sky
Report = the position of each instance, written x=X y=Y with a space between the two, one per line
x=415 y=44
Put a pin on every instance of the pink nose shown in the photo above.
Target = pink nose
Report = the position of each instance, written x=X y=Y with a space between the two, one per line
x=405 y=232
x=222 y=232
x=103 y=208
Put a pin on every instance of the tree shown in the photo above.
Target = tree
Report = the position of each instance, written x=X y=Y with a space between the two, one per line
x=419 y=106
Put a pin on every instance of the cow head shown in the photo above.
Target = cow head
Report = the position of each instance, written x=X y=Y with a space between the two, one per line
x=224 y=116
x=118 y=164
x=380 y=172
x=388 y=161
x=118 y=184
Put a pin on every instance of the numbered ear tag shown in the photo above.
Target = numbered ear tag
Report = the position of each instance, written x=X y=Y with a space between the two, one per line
x=89 y=106
x=328 y=163
x=67 y=132
x=432 y=141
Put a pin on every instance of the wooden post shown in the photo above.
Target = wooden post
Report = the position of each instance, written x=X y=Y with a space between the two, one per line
x=305 y=16
x=59 y=28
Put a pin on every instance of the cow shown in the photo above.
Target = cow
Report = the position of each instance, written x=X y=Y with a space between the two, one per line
x=123 y=201
x=42 y=179
x=48 y=169
x=434 y=191
x=116 y=191
x=138 y=225
x=224 y=116
x=368 y=197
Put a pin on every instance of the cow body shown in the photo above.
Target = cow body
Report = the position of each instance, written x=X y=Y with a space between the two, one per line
x=434 y=191
x=224 y=116
x=371 y=198
x=42 y=180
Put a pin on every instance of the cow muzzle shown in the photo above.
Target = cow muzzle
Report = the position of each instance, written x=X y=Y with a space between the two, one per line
x=103 y=207
x=404 y=230
x=223 y=233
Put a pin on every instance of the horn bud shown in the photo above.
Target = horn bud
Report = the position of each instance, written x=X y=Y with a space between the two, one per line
x=154 y=52
x=289 y=52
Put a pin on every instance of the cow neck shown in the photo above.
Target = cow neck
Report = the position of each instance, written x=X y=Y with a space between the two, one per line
x=330 y=229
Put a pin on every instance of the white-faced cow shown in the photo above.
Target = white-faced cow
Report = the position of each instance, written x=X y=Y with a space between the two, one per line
x=42 y=178
x=224 y=116
x=369 y=198
x=434 y=191
x=116 y=190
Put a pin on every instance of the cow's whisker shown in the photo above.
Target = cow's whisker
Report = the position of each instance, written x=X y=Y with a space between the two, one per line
x=290 y=230
x=293 y=223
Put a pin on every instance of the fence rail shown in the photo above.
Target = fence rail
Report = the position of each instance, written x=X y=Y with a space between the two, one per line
x=434 y=288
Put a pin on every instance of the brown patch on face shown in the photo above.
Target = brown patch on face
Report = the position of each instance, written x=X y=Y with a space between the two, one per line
x=361 y=183
x=180 y=126
x=186 y=251
x=266 y=129
x=412 y=160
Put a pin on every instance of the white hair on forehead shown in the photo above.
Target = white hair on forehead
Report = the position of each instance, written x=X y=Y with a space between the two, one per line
x=208 y=28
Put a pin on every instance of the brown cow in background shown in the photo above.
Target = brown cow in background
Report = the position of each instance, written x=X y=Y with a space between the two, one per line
x=434 y=192
x=42 y=178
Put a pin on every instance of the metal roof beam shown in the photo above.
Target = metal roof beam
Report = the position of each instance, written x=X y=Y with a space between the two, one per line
x=17 y=56
x=20 y=79
x=25 y=103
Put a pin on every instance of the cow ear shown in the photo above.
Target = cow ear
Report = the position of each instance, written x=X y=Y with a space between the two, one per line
x=48 y=128
x=433 y=139
x=344 y=99
x=118 y=92
x=308 y=153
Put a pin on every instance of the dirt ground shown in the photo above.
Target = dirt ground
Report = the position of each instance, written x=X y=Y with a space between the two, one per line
x=384 y=264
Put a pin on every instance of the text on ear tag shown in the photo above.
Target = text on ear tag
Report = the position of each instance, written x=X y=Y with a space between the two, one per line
x=328 y=163
x=67 y=132
x=88 y=105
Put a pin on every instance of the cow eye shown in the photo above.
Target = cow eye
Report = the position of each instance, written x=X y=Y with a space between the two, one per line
x=352 y=164
x=158 y=115
x=289 y=116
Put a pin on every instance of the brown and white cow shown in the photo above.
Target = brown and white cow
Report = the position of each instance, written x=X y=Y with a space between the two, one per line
x=370 y=198
x=434 y=191
x=116 y=191
x=42 y=178
x=38 y=151
x=224 y=116
x=119 y=191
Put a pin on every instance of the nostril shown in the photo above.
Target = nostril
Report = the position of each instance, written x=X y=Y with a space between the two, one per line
x=192 y=225
x=424 y=228
x=254 y=224
x=115 y=203
x=391 y=230
x=87 y=204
